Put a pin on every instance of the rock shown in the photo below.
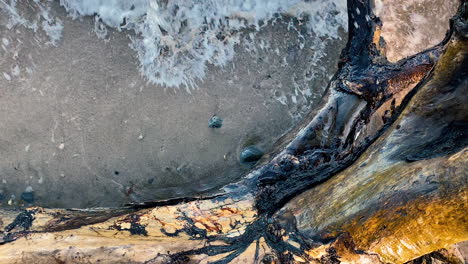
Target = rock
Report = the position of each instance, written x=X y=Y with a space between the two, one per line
x=215 y=122
x=27 y=197
x=11 y=200
x=250 y=154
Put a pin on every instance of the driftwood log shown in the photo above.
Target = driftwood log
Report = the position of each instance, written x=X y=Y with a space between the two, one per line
x=376 y=174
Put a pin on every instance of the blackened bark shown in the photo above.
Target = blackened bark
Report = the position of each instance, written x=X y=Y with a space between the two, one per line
x=337 y=135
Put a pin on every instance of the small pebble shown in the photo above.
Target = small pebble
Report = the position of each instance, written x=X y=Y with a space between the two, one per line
x=12 y=199
x=7 y=76
x=250 y=154
x=215 y=122
x=27 y=197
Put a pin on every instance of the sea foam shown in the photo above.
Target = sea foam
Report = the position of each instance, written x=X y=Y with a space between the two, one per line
x=175 y=40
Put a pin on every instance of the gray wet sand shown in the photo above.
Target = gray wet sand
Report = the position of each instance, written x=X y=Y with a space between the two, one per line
x=79 y=126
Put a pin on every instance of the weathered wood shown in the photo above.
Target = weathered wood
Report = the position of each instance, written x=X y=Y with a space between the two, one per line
x=455 y=254
x=378 y=174
x=407 y=194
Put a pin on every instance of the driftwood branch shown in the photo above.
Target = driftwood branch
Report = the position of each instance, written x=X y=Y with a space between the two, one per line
x=376 y=174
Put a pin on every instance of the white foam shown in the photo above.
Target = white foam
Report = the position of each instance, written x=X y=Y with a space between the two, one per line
x=111 y=12
x=53 y=29
x=176 y=39
x=52 y=26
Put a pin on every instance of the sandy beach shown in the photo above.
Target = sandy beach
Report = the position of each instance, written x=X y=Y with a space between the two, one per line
x=81 y=127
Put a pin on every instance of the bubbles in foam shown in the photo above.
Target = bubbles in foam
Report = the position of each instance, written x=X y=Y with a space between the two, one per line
x=176 y=39
x=50 y=25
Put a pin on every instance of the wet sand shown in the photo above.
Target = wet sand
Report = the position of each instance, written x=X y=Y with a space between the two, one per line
x=80 y=127
x=410 y=27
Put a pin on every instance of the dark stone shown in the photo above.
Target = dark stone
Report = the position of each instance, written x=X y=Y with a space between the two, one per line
x=28 y=197
x=215 y=122
x=250 y=154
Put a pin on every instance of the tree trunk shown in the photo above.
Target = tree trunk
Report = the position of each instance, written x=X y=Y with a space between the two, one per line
x=377 y=174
